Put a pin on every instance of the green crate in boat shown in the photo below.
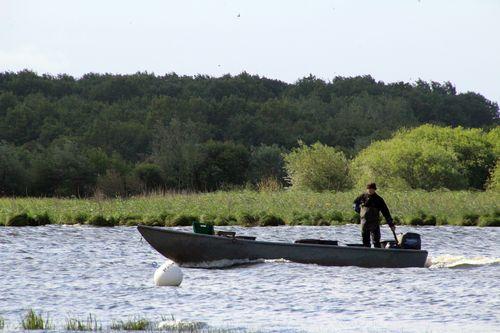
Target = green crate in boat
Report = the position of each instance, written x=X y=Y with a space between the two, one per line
x=203 y=228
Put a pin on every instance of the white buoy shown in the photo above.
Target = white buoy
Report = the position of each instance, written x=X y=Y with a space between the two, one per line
x=168 y=274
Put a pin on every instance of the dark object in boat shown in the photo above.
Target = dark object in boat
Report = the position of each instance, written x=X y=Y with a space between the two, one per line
x=190 y=248
x=203 y=228
x=317 y=241
x=410 y=240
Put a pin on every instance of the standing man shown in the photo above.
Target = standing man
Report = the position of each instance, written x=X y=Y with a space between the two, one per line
x=369 y=205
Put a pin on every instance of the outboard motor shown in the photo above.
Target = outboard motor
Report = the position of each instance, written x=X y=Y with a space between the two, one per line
x=410 y=241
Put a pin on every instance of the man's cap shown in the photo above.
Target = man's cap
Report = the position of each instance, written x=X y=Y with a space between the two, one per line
x=371 y=185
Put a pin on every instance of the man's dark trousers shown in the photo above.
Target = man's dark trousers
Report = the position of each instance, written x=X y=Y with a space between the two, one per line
x=370 y=228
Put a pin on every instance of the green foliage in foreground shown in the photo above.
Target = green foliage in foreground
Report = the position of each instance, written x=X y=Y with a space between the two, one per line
x=252 y=208
x=2 y=323
x=35 y=321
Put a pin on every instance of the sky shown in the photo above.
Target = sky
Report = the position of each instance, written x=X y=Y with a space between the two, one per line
x=398 y=40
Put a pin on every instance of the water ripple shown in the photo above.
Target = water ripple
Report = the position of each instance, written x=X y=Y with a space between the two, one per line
x=108 y=272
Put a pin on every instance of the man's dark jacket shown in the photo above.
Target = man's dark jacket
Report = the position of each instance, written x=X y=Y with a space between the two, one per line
x=369 y=206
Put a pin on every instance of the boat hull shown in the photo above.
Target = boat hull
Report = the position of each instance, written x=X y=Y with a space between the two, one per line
x=190 y=248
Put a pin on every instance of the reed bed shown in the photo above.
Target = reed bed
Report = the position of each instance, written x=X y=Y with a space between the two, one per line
x=33 y=320
x=253 y=208
x=136 y=324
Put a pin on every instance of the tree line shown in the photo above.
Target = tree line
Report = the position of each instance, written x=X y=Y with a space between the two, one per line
x=124 y=134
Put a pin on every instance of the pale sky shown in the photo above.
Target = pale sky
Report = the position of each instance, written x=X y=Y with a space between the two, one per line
x=399 y=40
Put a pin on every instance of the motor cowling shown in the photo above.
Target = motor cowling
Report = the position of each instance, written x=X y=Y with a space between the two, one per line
x=410 y=240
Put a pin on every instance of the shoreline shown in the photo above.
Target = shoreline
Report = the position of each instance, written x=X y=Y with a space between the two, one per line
x=251 y=208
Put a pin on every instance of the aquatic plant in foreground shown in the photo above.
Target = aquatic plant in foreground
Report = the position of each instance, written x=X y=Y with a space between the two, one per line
x=135 y=324
x=35 y=321
x=88 y=324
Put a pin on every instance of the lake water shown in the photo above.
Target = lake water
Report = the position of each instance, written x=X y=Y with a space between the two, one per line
x=71 y=271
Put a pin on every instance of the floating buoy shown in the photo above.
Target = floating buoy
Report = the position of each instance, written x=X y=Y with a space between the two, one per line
x=168 y=274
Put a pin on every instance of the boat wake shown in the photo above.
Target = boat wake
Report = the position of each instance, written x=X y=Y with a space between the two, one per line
x=449 y=261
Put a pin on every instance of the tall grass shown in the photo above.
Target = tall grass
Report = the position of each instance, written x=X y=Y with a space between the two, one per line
x=234 y=207
x=88 y=324
x=136 y=324
x=35 y=321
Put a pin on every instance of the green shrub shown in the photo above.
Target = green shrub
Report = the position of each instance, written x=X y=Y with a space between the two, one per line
x=428 y=157
x=248 y=220
x=442 y=220
x=335 y=217
x=34 y=321
x=182 y=220
x=42 y=219
x=493 y=183
x=354 y=218
x=397 y=220
x=101 y=221
x=299 y=218
x=153 y=221
x=317 y=167
x=21 y=220
x=422 y=219
x=319 y=219
x=493 y=137
x=270 y=220
x=490 y=220
x=2 y=323
x=470 y=220
x=24 y=220
x=166 y=217
x=81 y=218
x=414 y=220
x=130 y=220
x=430 y=220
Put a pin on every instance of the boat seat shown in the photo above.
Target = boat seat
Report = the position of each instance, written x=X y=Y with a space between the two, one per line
x=232 y=234
x=246 y=237
x=226 y=233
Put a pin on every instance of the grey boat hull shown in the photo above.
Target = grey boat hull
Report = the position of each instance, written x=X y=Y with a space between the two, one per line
x=191 y=248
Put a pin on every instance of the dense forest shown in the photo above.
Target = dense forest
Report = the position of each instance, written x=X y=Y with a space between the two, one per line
x=124 y=134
